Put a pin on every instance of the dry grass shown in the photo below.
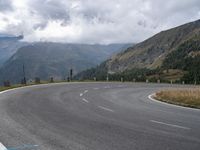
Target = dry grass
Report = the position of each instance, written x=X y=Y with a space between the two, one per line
x=185 y=97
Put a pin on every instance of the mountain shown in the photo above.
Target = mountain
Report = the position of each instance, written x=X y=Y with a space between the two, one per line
x=5 y=37
x=151 y=53
x=187 y=58
x=46 y=59
x=9 y=45
x=150 y=58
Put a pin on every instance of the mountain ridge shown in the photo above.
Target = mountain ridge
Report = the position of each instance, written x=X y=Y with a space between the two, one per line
x=156 y=48
x=50 y=59
x=9 y=44
x=145 y=60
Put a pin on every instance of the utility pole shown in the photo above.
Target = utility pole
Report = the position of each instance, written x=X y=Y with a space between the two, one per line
x=24 y=79
x=71 y=74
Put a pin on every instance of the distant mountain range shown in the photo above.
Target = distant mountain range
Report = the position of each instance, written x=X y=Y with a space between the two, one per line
x=9 y=45
x=4 y=37
x=155 y=58
x=46 y=59
x=169 y=55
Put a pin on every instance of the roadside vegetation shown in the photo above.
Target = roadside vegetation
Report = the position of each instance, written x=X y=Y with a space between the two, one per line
x=3 y=88
x=184 y=97
x=186 y=58
x=10 y=87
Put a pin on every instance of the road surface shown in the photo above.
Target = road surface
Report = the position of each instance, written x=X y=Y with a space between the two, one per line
x=95 y=116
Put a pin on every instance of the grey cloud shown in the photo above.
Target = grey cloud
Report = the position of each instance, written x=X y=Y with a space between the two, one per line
x=5 y=5
x=142 y=23
x=40 y=26
x=50 y=9
x=99 y=21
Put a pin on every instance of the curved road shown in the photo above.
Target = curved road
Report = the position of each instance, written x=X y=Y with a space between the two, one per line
x=95 y=116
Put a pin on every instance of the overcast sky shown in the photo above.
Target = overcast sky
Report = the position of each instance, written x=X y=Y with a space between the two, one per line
x=94 y=21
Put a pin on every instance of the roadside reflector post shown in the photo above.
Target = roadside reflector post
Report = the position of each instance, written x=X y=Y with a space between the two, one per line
x=107 y=78
x=95 y=79
x=158 y=81
x=171 y=82
x=134 y=80
x=183 y=82
x=147 y=81
x=122 y=79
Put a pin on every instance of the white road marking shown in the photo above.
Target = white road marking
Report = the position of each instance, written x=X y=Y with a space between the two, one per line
x=3 y=91
x=2 y=147
x=85 y=100
x=96 y=88
x=171 y=125
x=165 y=103
x=107 y=109
x=85 y=91
x=107 y=87
x=150 y=97
x=120 y=86
x=81 y=94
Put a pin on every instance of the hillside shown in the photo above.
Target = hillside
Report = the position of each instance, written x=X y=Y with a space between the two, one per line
x=187 y=58
x=47 y=60
x=169 y=55
x=151 y=53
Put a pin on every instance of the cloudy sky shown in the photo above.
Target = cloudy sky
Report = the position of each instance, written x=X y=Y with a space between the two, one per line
x=94 y=21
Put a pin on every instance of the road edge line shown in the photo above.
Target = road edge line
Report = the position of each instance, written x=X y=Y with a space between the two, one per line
x=165 y=103
x=37 y=85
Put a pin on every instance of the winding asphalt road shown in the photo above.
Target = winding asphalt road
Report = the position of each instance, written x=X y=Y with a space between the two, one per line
x=95 y=116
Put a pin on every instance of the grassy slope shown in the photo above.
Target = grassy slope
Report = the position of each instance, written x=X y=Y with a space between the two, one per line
x=152 y=52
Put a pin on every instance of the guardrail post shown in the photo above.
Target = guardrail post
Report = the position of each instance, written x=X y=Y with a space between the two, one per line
x=158 y=81
x=107 y=78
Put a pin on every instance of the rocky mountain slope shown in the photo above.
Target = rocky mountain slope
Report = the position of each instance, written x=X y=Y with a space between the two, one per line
x=152 y=52
x=169 y=55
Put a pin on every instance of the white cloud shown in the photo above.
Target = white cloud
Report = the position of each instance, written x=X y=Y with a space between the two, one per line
x=99 y=21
